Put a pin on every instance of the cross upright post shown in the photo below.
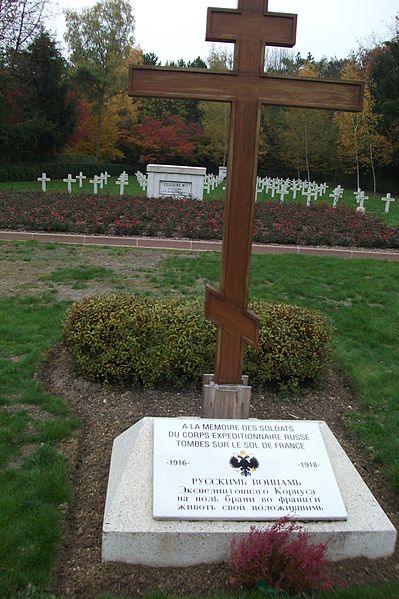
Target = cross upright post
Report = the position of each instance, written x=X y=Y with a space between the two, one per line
x=250 y=27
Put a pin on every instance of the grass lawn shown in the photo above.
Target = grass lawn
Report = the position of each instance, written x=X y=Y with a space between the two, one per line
x=361 y=298
x=33 y=487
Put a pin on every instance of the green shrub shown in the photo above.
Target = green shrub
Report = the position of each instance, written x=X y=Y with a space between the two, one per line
x=140 y=341
x=294 y=346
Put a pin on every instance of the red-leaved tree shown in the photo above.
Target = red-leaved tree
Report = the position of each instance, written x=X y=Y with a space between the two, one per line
x=163 y=140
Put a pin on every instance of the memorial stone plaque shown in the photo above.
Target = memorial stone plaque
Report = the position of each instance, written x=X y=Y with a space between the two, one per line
x=175 y=188
x=243 y=470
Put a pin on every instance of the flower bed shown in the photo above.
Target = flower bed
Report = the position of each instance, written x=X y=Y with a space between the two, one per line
x=176 y=218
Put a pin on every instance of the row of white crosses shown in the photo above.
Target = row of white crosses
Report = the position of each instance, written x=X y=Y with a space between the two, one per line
x=311 y=190
x=211 y=181
x=283 y=187
x=98 y=181
x=361 y=198
x=142 y=180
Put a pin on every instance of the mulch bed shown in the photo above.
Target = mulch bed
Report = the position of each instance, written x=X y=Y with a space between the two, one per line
x=105 y=413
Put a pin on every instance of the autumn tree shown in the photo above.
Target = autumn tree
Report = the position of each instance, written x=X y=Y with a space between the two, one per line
x=168 y=139
x=99 y=40
x=119 y=119
x=361 y=144
x=216 y=115
x=298 y=140
x=163 y=108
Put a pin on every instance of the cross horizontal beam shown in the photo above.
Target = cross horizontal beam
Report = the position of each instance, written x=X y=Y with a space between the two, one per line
x=229 y=25
x=299 y=92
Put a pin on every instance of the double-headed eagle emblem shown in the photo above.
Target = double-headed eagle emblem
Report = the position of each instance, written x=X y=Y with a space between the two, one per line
x=244 y=462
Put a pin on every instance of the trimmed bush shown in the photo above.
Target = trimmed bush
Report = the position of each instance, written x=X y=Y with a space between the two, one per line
x=145 y=342
x=294 y=346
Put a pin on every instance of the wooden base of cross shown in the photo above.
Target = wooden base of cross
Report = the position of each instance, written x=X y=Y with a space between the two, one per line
x=225 y=401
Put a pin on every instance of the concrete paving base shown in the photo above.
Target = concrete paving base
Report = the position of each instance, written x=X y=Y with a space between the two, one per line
x=131 y=535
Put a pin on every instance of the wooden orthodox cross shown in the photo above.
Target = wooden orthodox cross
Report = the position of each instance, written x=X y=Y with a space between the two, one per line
x=251 y=27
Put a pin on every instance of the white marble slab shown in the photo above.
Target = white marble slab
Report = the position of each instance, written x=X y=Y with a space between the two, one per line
x=241 y=470
x=132 y=535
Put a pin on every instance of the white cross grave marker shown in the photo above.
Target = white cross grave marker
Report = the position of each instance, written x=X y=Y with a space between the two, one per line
x=95 y=181
x=69 y=180
x=336 y=195
x=309 y=193
x=275 y=186
x=80 y=178
x=283 y=192
x=362 y=198
x=296 y=186
x=43 y=180
x=106 y=176
x=387 y=201
x=259 y=187
x=357 y=194
x=122 y=181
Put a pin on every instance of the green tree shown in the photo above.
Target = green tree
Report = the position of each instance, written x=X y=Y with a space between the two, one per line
x=385 y=77
x=150 y=58
x=38 y=110
x=100 y=39
x=385 y=87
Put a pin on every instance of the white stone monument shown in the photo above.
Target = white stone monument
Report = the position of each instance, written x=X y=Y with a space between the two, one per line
x=175 y=181
x=222 y=172
x=179 y=490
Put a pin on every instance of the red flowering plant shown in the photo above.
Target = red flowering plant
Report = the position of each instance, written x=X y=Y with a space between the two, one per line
x=183 y=218
x=279 y=559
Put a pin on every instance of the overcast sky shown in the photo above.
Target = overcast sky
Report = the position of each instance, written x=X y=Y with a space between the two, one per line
x=175 y=29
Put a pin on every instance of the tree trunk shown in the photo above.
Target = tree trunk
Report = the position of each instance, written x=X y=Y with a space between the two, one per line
x=307 y=151
x=355 y=125
x=372 y=165
x=226 y=134
x=99 y=130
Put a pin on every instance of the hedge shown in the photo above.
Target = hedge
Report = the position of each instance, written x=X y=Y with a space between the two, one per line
x=149 y=342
